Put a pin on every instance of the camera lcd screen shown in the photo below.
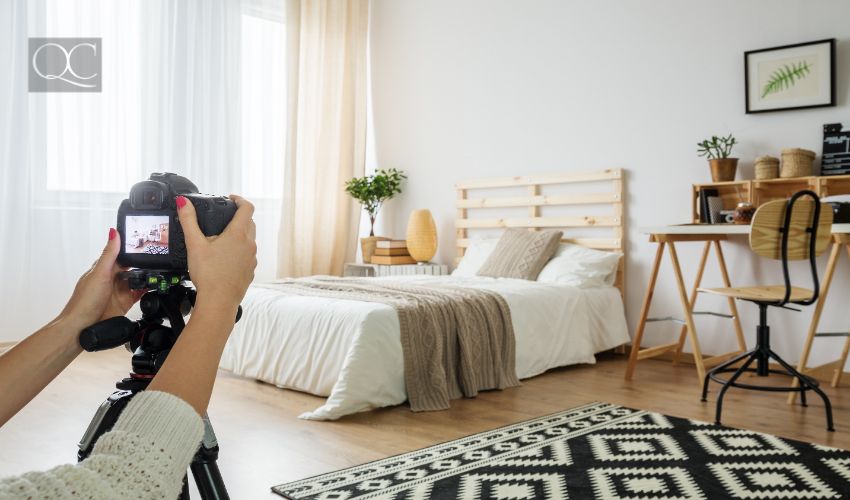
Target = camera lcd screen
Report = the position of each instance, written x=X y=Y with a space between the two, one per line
x=146 y=234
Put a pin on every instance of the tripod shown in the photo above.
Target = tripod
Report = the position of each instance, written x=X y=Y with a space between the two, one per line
x=151 y=341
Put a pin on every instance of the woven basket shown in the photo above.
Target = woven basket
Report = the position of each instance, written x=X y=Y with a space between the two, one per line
x=796 y=162
x=767 y=167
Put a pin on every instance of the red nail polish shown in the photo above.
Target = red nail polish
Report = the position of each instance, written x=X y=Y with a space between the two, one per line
x=181 y=202
x=112 y=233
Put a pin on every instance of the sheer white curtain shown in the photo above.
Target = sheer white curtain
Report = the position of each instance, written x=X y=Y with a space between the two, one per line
x=15 y=219
x=327 y=139
x=189 y=86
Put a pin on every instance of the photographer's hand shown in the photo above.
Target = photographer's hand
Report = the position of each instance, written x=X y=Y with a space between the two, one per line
x=100 y=293
x=221 y=268
x=35 y=361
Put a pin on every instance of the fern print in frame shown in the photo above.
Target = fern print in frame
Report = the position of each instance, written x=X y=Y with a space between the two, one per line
x=785 y=77
x=790 y=77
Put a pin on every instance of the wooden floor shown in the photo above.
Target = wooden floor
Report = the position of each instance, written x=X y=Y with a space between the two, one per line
x=263 y=443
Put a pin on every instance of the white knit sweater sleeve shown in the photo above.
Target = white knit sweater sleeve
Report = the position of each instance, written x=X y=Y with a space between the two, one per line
x=144 y=456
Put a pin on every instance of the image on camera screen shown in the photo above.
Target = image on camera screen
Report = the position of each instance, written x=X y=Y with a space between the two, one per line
x=146 y=234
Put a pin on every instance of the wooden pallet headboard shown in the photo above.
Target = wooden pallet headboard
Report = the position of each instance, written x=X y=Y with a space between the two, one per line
x=608 y=229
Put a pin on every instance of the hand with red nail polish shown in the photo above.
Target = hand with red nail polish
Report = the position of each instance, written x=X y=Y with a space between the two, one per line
x=99 y=293
x=28 y=367
x=221 y=267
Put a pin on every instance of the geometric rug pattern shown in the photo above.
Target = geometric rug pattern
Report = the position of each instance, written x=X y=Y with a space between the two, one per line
x=600 y=451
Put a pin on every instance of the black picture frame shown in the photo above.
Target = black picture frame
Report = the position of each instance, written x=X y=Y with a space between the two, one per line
x=748 y=55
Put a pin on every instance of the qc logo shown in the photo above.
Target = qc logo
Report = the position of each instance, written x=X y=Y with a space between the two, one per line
x=64 y=65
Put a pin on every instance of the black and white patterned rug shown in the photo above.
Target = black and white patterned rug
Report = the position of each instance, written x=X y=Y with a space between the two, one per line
x=596 y=451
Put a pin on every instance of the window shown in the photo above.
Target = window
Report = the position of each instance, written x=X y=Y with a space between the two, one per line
x=105 y=142
x=92 y=141
x=263 y=106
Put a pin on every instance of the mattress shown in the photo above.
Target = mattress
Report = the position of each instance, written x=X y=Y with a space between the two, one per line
x=350 y=351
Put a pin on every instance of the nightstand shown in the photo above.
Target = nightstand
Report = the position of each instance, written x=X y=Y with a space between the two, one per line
x=377 y=270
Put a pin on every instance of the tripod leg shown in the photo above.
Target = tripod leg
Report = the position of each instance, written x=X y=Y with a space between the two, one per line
x=184 y=494
x=205 y=468
x=209 y=481
x=104 y=418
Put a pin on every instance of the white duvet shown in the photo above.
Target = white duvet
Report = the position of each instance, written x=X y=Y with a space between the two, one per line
x=350 y=351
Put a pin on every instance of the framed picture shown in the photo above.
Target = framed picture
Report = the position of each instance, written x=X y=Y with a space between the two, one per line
x=790 y=77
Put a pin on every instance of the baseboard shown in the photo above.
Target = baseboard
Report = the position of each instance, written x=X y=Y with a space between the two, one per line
x=687 y=358
x=5 y=346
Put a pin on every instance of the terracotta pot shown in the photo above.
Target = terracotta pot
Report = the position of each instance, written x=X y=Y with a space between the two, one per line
x=723 y=169
x=368 y=244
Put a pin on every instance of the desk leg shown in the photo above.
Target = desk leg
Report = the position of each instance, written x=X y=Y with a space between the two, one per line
x=836 y=378
x=693 y=300
x=813 y=326
x=689 y=317
x=644 y=311
x=733 y=307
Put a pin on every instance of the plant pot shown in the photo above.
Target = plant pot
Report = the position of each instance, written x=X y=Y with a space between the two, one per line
x=367 y=245
x=723 y=169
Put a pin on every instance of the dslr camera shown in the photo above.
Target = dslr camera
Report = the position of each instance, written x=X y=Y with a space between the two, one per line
x=151 y=235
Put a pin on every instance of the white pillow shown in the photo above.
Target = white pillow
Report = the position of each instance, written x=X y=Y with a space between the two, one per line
x=476 y=254
x=581 y=267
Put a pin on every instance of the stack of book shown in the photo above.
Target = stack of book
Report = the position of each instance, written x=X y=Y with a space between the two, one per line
x=392 y=253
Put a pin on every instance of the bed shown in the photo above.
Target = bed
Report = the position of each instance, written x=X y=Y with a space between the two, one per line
x=350 y=351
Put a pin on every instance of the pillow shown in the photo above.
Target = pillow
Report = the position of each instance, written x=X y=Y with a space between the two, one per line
x=521 y=254
x=581 y=267
x=474 y=256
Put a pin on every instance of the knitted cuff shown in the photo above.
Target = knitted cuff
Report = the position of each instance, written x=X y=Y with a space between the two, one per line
x=166 y=420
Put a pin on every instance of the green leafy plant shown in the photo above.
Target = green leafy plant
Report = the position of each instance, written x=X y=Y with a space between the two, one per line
x=716 y=147
x=785 y=77
x=373 y=190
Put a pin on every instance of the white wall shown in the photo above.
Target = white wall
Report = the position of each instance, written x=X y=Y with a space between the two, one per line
x=476 y=88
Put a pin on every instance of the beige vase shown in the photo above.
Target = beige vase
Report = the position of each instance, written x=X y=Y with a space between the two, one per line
x=368 y=245
x=421 y=235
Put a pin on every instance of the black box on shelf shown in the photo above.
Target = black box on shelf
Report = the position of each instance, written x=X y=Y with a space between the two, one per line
x=835 y=159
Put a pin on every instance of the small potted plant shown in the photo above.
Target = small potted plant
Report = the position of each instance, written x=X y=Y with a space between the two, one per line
x=717 y=150
x=372 y=191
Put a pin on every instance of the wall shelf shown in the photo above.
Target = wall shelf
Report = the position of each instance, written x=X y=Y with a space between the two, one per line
x=760 y=191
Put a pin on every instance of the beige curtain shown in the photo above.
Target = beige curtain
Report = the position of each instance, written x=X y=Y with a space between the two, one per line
x=327 y=47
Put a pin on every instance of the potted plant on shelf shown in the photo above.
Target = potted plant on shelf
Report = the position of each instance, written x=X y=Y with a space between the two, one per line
x=717 y=150
x=372 y=191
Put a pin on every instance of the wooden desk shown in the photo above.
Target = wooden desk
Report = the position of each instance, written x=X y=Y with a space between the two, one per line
x=712 y=235
x=840 y=239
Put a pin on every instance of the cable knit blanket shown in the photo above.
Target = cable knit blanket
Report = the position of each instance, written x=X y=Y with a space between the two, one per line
x=455 y=341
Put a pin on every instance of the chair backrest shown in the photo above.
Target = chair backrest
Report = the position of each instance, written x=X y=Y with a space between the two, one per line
x=798 y=228
x=769 y=220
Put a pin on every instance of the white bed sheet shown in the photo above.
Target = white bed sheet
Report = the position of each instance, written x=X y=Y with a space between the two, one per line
x=350 y=351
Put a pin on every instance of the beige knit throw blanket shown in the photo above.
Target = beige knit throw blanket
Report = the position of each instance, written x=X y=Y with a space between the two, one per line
x=455 y=341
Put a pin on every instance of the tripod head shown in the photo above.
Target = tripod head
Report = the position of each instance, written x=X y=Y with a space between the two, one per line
x=149 y=339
